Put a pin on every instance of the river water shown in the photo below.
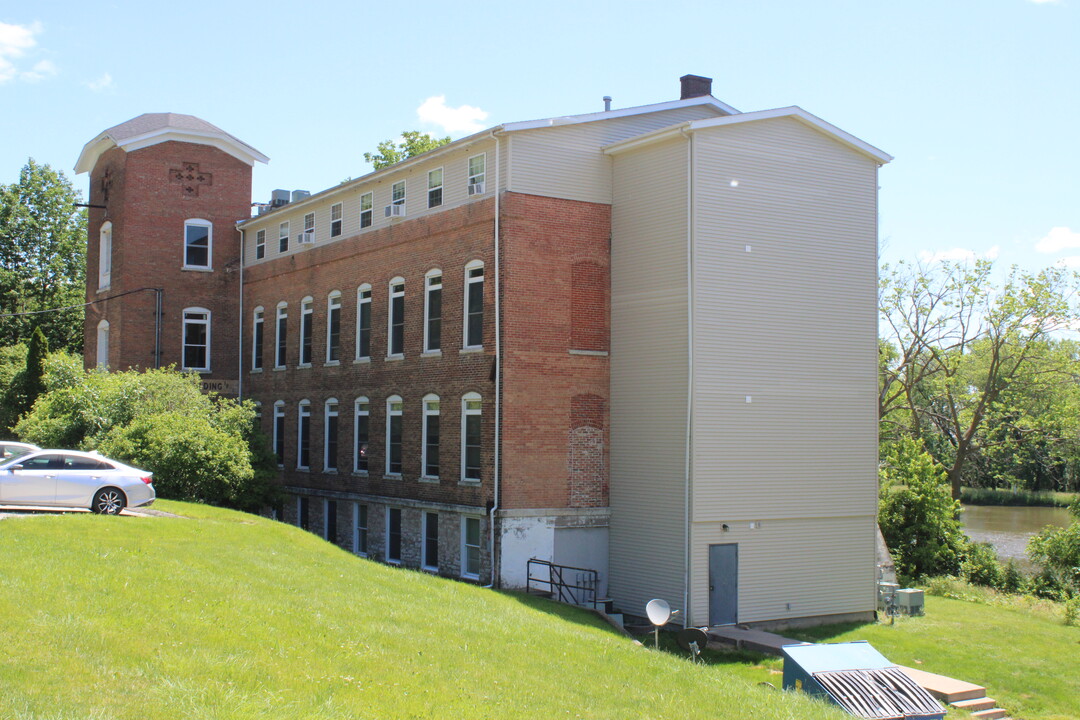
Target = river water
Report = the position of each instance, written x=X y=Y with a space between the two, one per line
x=1009 y=528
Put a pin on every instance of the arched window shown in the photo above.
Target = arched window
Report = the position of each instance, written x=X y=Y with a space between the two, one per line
x=105 y=256
x=257 y=333
x=196 y=355
x=303 y=435
x=279 y=432
x=307 y=310
x=363 y=322
x=361 y=434
x=433 y=311
x=473 y=334
x=393 y=435
x=471 y=414
x=198 y=244
x=429 y=460
x=333 y=328
x=103 y=344
x=330 y=435
x=281 y=339
x=395 y=341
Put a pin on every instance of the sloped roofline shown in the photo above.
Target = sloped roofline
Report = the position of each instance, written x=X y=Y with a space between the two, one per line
x=622 y=112
x=794 y=112
x=221 y=140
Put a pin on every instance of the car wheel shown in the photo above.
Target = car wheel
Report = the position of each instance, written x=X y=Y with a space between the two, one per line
x=108 y=501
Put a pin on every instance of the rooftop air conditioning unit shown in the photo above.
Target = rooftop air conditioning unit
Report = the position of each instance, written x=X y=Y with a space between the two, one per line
x=476 y=188
x=393 y=211
x=306 y=238
x=279 y=198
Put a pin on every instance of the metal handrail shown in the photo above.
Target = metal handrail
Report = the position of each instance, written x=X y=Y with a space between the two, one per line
x=580 y=592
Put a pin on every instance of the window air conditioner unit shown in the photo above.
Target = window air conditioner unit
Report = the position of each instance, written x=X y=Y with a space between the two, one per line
x=476 y=188
x=393 y=211
x=306 y=238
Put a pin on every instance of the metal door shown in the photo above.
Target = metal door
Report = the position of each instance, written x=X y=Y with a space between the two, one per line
x=723 y=584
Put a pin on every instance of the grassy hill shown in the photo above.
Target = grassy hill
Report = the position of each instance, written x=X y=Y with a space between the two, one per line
x=224 y=615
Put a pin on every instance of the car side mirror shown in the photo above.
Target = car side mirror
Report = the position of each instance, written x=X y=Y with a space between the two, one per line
x=13 y=468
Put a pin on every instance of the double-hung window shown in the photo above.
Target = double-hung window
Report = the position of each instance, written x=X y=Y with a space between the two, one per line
x=363 y=322
x=471 y=415
x=397 y=193
x=433 y=311
x=431 y=541
x=103 y=344
x=303 y=435
x=366 y=202
x=434 y=185
x=257 y=339
x=196 y=339
x=360 y=529
x=477 y=174
x=330 y=520
x=282 y=331
x=395 y=342
x=279 y=432
x=333 y=328
x=306 y=311
x=430 y=442
x=283 y=237
x=361 y=434
x=335 y=219
x=105 y=256
x=393 y=535
x=470 y=547
x=260 y=244
x=393 y=435
x=198 y=243
x=309 y=228
x=474 y=305
x=330 y=436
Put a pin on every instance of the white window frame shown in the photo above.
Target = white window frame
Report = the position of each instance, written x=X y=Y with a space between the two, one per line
x=258 y=326
x=359 y=528
x=391 y=295
x=105 y=256
x=309 y=226
x=279 y=434
x=103 y=344
x=465 y=519
x=469 y=281
x=330 y=410
x=430 y=285
x=185 y=321
x=333 y=304
x=401 y=534
x=480 y=177
x=424 y=542
x=467 y=412
x=337 y=214
x=361 y=301
x=431 y=408
x=281 y=354
x=361 y=408
x=367 y=204
x=303 y=411
x=283 y=237
x=392 y=413
x=307 y=317
x=199 y=222
x=396 y=199
x=433 y=188
x=260 y=244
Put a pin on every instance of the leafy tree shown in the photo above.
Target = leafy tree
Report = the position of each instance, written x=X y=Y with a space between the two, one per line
x=12 y=365
x=413 y=142
x=1057 y=550
x=918 y=518
x=42 y=258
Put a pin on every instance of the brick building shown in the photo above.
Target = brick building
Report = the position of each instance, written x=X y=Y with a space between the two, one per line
x=572 y=339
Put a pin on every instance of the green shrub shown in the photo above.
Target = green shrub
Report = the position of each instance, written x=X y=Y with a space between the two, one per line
x=1013 y=579
x=1046 y=584
x=1057 y=552
x=1072 y=610
x=981 y=567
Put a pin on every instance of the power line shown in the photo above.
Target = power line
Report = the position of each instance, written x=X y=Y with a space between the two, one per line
x=75 y=307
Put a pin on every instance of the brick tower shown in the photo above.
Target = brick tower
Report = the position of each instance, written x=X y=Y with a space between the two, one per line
x=163 y=255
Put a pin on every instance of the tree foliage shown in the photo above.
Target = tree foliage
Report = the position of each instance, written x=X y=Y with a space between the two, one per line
x=42 y=258
x=412 y=143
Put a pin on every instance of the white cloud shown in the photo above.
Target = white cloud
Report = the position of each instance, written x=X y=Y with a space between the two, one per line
x=1071 y=261
x=41 y=70
x=1058 y=239
x=961 y=255
x=15 y=40
x=102 y=83
x=462 y=119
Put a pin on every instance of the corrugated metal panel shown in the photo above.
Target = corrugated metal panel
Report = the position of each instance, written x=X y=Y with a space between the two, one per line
x=790 y=568
x=648 y=376
x=566 y=162
x=455 y=193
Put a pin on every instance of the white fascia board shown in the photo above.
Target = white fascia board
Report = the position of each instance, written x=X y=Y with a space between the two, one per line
x=238 y=149
x=92 y=151
x=623 y=112
x=794 y=112
x=379 y=174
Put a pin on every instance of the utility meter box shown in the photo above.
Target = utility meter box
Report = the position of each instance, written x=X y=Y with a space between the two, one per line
x=886 y=591
x=910 y=601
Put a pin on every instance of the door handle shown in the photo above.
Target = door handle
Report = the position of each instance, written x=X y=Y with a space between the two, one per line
x=711 y=588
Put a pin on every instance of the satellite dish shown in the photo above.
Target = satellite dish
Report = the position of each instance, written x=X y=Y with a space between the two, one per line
x=693 y=640
x=659 y=612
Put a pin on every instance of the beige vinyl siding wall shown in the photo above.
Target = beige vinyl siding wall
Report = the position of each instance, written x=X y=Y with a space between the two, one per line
x=648 y=377
x=455 y=165
x=566 y=161
x=793 y=325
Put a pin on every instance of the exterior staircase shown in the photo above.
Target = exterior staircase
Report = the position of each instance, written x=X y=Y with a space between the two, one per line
x=964 y=695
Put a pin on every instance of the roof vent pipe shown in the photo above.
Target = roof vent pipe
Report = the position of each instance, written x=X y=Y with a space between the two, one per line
x=607 y=103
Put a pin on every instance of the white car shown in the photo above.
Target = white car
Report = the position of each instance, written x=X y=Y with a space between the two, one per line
x=65 y=478
x=10 y=448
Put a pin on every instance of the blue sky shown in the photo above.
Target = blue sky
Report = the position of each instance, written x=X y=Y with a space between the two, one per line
x=978 y=100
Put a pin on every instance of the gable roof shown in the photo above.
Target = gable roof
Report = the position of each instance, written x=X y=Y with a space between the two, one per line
x=709 y=100
x=153 y=128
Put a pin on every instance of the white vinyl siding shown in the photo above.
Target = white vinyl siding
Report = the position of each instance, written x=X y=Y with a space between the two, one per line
x=649 y=346
x=566 y=161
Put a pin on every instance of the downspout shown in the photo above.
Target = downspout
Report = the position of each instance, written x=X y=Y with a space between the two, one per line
x=240 y=327
x=689 y=367
x=498 y=374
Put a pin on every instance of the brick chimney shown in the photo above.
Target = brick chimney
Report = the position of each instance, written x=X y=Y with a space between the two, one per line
x=695 y=86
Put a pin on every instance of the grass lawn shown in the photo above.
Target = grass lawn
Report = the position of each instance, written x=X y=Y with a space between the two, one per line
x=225 y=615
x=1027 y=659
